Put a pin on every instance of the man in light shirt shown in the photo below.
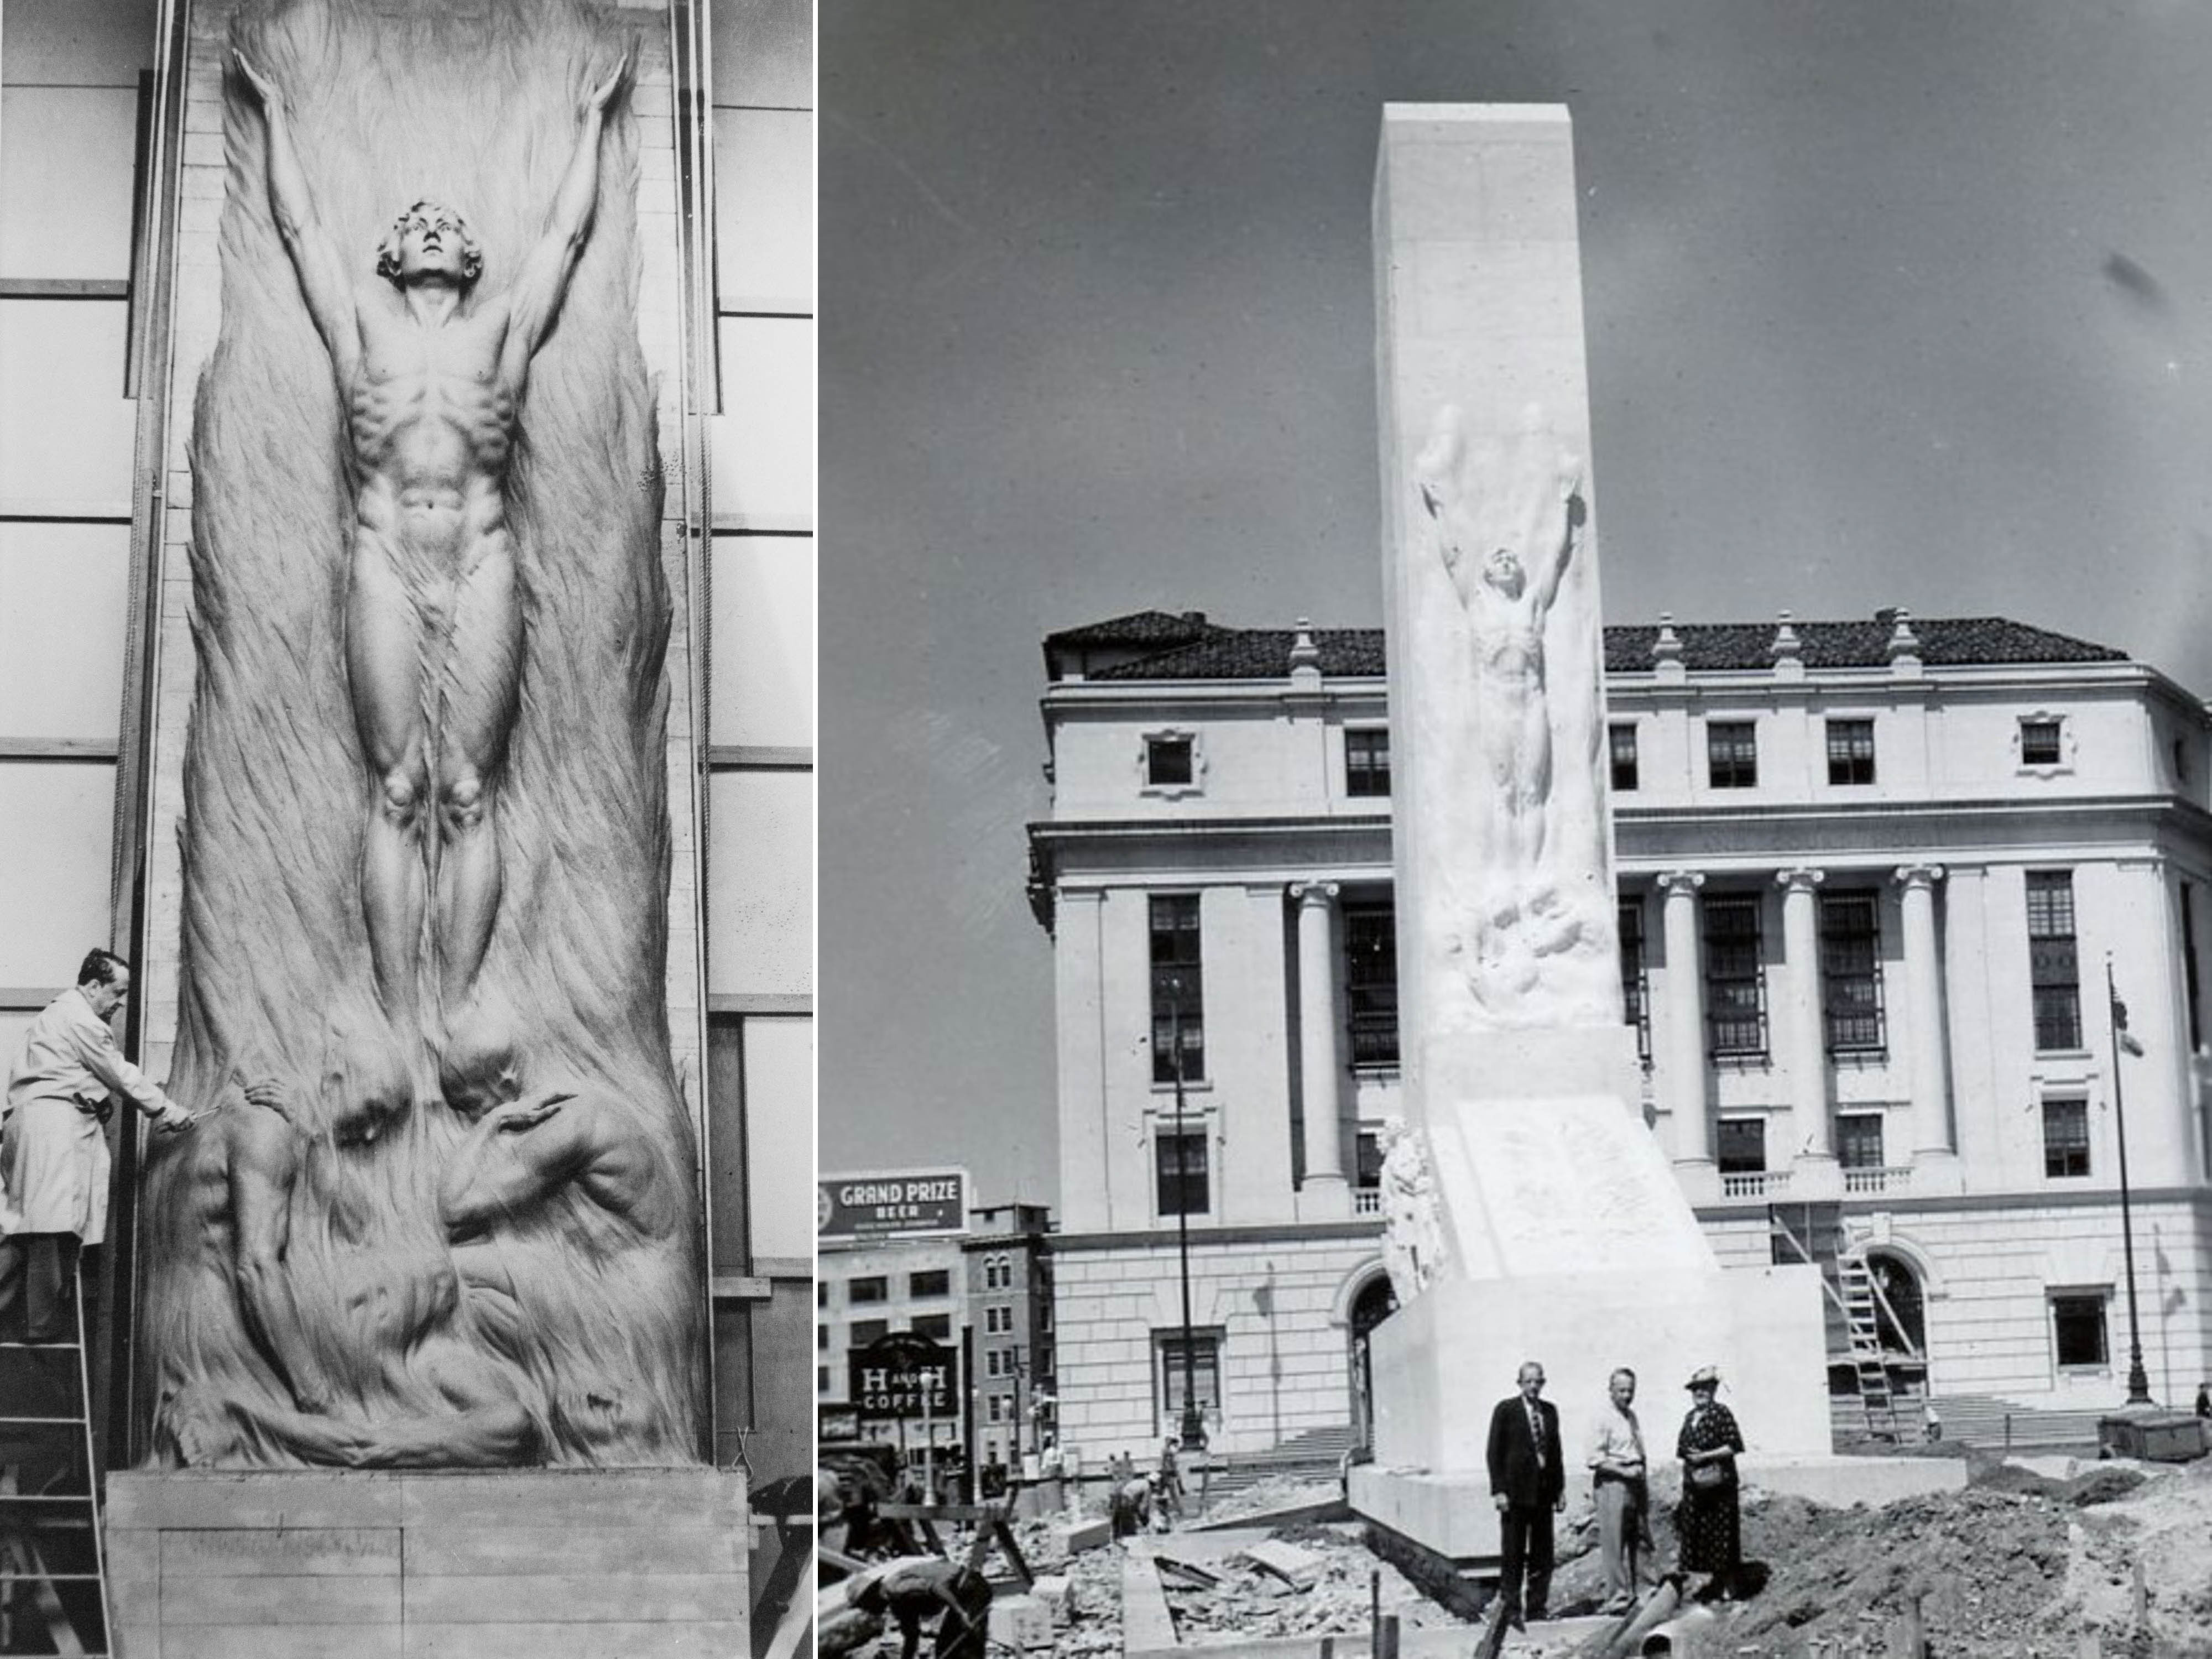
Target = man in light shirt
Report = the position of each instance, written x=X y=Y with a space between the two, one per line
x=1622 y=1493
x=53 y=1154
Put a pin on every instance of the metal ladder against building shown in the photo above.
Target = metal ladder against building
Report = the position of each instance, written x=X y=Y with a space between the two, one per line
x=1855 y=1278
x=53 y=1582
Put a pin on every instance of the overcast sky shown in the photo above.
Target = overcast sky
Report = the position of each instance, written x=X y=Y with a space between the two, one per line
x=1896 y=304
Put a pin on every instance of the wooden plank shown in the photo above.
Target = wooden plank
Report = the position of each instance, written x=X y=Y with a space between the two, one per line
x=568 y=1598
x=262 y=1552
x=99 y=750
x=466 y=1551
x=335 y=1599
x=595 y=1498
x=63 y=509
x=63 y=287
x=760 y=758
x=271 y=1499
x=718 y=1639
x=760 y=1002
x=742 y=1288
x=283 y=1641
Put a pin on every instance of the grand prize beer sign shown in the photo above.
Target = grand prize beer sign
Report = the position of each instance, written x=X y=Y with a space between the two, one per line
x=893 y=1204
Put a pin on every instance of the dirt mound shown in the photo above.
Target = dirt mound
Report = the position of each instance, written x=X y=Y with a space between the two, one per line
x=1982 y=1564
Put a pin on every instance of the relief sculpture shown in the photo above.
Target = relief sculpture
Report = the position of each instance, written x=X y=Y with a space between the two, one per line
x=440 y=1208
x=1529 y=933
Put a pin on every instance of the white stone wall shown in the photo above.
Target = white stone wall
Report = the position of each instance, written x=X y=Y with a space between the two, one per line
x=1285 y=1358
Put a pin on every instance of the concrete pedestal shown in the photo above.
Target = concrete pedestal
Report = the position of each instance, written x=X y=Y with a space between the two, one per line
x=545 y=1564
x=1441 y=1363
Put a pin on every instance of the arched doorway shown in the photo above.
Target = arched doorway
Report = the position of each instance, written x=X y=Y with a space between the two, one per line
x=1375 y=1303
x=1900 y=1312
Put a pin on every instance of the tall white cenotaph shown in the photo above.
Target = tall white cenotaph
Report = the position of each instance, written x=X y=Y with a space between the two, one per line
x=1533 y=1213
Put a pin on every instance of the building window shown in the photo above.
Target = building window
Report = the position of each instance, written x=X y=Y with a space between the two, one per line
x=2042 y=740
x=1178 y=989
x=1169 y=761
x=867 y=1289
x=1742 y=1149
x=2053 y=968
x=1367 y=760
x=995 y=1407
x=1735 y=989
x=821 y=1293
x=2065 y=1138
x=997 y=1321
x=821 y=1379
x=1732 y=754
x=821 y=1336
x=1850 y=751
x=998 y=1272
x=993 y=1362
x=2077 y=1329
x=936 y=1282
x=2192 y=987
x=1850 y=972
x=866 y=1331
x=1180 y=1159
x=1367 y=1162
x=938 y=1327
x=1621 y=740
x=1370 y=981
x=1858 y=1140
x=1635 y=981
x=1205 y=1370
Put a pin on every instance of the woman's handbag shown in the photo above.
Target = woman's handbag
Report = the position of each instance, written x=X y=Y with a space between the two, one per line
x=1705 y=1476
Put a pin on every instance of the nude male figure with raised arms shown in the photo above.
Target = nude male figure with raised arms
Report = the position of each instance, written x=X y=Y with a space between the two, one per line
x=432 y=388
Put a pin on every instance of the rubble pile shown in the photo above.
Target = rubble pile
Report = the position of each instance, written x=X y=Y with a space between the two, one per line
x=2018 y=1566
x=1332 y=1595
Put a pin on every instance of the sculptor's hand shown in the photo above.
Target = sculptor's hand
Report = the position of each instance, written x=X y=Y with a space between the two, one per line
x=1499 y=1498
x=264 y=88
x=272 y=1096
x=176 y=1119
x=606 y=93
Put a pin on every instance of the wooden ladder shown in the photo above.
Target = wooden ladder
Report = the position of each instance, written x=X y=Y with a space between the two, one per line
x=53 y=1579
x=1855 y=1278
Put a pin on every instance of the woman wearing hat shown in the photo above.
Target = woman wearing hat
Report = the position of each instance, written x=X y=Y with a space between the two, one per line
x=1707 y=1523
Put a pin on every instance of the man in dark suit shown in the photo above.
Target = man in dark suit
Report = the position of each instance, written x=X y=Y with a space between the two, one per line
x=1529 y=1482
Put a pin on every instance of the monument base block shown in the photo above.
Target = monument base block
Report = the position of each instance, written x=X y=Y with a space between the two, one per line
x=543 y=1564
x=1442 y=1362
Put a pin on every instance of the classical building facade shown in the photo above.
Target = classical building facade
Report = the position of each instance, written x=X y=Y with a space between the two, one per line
x=1872 y=878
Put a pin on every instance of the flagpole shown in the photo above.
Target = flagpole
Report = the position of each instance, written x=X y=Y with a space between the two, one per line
x=2138 y=1379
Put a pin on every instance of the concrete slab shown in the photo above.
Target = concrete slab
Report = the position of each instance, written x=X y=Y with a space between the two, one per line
x=533 y=1563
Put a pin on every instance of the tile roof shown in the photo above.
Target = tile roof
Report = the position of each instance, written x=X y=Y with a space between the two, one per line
x=1139 y=627
x=1208 y=650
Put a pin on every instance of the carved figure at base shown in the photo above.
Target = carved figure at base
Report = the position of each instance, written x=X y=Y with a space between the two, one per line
x=1413 y=1250
x=247 y=1165
x=432 y=388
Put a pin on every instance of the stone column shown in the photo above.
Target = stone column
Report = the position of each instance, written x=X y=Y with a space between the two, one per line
x=1326 y=1193
x=1804 y=1032
x=1923 y=1015
x=1685 y=1024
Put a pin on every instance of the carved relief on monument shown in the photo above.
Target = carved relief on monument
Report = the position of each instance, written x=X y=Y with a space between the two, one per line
x=442 y=1209
x=1413 y=1248
x=1525 y=921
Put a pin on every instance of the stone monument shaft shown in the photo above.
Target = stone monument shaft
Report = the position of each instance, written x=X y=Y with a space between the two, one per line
x=1532 y=1214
